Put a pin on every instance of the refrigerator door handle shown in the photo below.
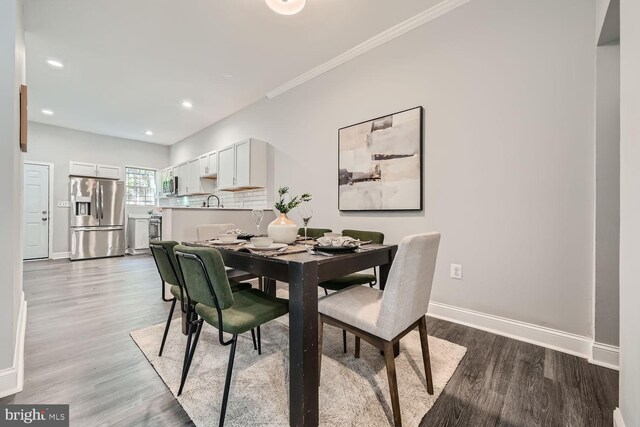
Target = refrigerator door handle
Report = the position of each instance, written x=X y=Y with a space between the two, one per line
x=100 y=190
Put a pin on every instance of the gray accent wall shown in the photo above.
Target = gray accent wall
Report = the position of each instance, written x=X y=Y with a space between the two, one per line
x=12 y=75
x=630 y=212
x=60 y=145
x=508 y=89
x=607 y=295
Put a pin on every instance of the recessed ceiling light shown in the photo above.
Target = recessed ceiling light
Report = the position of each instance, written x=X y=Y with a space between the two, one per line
x=286 y=7
x=55 y=63
x=227 y=75
x=148 y=133
x=47 y=112
x=187 y=104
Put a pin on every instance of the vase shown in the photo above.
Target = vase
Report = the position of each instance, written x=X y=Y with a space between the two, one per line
x=282 y=230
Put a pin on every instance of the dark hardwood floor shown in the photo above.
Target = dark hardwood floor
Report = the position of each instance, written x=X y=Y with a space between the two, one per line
x=78 y=351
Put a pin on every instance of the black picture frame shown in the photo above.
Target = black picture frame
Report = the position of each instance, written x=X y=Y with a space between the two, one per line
x=420 y=196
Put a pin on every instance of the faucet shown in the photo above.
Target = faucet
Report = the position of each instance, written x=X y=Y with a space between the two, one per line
x=217 y=198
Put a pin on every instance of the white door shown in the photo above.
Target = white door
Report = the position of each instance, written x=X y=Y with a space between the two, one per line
x=243 y=164
x=36 y=211
x=226 y=167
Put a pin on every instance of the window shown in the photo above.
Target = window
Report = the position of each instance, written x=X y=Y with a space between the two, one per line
x=141 y=186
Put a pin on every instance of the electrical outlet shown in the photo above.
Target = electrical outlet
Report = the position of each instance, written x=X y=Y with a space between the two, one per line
x=64 y=204
x=456 y=271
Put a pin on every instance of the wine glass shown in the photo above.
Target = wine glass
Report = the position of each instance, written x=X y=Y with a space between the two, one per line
x=305 y=213
x=257 y=215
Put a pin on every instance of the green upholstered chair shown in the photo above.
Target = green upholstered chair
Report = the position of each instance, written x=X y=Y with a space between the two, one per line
x=231 y=312
x=355 y=278
x=167 y=265
x=314 y=233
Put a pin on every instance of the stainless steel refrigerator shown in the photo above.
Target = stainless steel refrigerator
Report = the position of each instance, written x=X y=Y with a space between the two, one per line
x=96 y=221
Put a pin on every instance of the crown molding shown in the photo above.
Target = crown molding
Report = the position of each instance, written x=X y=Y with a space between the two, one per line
x=370 y=44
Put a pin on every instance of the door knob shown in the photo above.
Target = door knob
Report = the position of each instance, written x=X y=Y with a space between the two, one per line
x=44 y=218
x=44 y=212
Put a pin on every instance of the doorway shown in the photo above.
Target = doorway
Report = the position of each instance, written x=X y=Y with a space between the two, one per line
x=36 y=211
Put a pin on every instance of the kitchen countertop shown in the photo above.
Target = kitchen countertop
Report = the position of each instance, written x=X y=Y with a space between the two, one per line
x=211 y=209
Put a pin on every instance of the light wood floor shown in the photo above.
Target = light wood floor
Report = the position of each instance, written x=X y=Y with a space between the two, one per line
x=78 y=351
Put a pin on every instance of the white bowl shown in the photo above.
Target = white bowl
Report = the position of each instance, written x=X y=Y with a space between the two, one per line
x=261 y=242
x=227 y=238
x=332 y=235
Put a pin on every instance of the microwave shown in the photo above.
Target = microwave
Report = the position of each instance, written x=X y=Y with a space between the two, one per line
x=170 y=186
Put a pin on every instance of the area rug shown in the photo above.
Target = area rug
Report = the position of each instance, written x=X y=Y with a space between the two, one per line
x=353 y=392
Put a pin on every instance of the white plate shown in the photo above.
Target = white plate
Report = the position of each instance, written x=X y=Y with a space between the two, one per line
x=234 y=242
x=273 y=247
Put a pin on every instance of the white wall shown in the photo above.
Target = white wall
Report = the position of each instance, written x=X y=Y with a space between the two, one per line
x=508 y=88
x=630 y=212
x=12 y=74
x=607 y=296
x=60 y=145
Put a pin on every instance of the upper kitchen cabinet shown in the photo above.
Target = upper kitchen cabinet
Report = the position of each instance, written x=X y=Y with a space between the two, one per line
x=106 y=171
x=94 y=170
x=183 y=178
x=193 y=184
x=209 y=165
x=243 y=166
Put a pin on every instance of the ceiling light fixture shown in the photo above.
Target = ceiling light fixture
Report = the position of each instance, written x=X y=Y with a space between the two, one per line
x=47 y=112
x=187 y=104
x=148 y=133
x=55 y=63
x=286 y=7
x=227 y=75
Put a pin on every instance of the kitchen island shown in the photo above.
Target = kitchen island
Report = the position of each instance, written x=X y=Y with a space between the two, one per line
x=179 y=223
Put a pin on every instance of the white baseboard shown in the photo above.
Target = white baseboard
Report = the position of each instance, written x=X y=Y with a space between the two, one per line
x=539 y=335
x=12 y=379
x=605 y=355
x=60 y=255
x=131 y=251
x=617 y=418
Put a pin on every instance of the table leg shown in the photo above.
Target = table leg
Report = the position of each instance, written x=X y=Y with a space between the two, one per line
x=303 y=344
x=269 y=286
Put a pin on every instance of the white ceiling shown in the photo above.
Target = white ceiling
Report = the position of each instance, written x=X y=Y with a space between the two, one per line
x=129 y=64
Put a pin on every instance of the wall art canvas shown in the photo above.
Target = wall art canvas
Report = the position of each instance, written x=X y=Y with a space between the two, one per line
x=380 y=163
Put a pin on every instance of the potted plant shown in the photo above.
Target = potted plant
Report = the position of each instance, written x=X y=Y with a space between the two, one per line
x=282 y=229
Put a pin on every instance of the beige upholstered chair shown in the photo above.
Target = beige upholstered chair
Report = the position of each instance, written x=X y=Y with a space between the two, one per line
x=383 y=317
x=211 y=231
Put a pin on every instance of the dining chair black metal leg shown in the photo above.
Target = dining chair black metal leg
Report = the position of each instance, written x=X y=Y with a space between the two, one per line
x=253 y=338
x=187 y=365
x=325 y=291
x=227 y=383
x=259 y=342
x=344 y=341
x=166 y=328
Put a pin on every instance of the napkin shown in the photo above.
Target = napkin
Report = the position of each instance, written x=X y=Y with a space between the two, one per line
x=338 y=241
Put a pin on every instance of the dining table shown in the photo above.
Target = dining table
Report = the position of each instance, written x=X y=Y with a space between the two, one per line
x=303 y=271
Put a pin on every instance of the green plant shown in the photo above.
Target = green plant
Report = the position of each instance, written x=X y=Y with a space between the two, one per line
x=286 y=207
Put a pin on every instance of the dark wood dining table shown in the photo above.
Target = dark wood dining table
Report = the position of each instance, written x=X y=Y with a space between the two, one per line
x=303 y=272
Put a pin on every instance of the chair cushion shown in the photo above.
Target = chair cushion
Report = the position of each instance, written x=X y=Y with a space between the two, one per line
x=251 y=308
x=357 y=306
x=348 y=280
x=235 y=287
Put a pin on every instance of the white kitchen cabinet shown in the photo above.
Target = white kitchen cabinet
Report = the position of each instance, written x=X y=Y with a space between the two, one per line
x=243 y=166
x=138 y=234
x=226 y=167
x=193 y=184
x=94 y=170
x=183 y=179
x=209 y=165
x=106 y=171
x=82 y=169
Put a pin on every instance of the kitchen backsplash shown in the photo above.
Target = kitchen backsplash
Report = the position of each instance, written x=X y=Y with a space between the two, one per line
x=237 y=199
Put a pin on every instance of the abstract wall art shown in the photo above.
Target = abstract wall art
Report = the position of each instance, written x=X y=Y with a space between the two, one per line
x=380 y=163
